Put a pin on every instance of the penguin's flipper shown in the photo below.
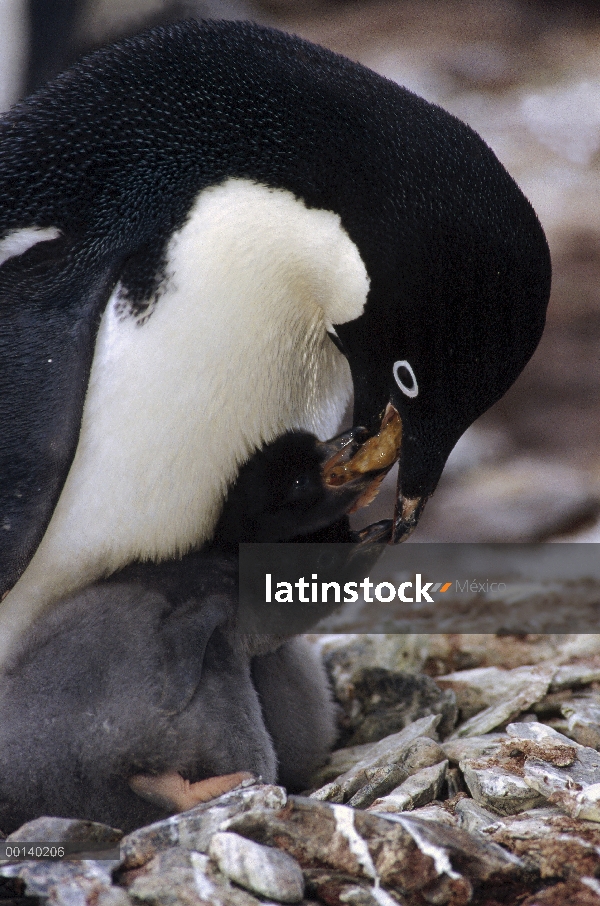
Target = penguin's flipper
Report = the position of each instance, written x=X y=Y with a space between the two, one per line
x=50 y=307
x=172 y=792
x=184 y=637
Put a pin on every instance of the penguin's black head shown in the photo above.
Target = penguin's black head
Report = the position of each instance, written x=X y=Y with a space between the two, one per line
x=459 y=284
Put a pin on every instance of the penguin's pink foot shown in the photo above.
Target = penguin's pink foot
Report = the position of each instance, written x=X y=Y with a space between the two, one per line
x=171 y=791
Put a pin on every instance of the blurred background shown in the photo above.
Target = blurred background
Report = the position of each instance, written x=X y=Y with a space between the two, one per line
x=526 y=76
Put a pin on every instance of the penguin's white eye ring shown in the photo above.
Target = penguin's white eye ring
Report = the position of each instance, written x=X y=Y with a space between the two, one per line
x=405 y=378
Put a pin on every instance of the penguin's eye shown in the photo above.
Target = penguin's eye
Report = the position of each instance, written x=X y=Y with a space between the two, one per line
x=405 y=378
x=300 y=484
x=303 y=490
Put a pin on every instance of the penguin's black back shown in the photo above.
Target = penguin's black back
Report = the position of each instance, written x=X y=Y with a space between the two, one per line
x=120 y=145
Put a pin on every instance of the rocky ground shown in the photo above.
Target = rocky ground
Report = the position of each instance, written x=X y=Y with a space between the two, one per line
x=478 y=786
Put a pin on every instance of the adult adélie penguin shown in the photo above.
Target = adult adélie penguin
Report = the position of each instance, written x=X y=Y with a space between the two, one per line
x=210 y=234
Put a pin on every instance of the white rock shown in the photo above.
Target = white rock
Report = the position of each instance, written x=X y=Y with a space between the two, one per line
x=418 y=790
x=458 y=750
x=570 y=675
x=538 y=732
x=499 y=789
x=437 y=813
x=474 y=817
x=481 y=687
x=576 y=788
x=265 y=871
x=536 y=681
x=394 y=749
x=583 y=716
x=540 y=741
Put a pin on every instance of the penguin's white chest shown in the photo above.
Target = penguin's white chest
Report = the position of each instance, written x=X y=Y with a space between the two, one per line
x=233 y=353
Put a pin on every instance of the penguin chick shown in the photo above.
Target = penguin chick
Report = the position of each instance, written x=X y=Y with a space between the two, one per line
x=211 y=234
x=117 y=686
x=142 y=677
x=118 y=682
